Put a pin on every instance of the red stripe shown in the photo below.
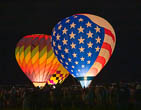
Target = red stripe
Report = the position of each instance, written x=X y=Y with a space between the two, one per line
x=28 y=36
x=107 y=46
x=38 y=35
x=101 y=60
x=110 y=34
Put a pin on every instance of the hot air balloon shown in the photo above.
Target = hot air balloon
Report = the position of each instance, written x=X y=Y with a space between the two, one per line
x=59 y=76
x=35 y=57
x=83 y=43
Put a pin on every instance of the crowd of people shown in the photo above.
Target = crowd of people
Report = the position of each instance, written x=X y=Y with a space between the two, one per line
x=121 y=96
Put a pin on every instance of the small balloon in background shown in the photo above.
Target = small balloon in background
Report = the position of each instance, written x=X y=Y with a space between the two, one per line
x=36 y=58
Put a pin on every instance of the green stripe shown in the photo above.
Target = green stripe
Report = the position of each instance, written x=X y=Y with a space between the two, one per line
x=49 y=53
x=43 y=51
x=27 y=50
x=16 y=50
x=21 y=50
x=35 y=50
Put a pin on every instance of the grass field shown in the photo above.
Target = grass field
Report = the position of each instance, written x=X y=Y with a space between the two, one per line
x=95 y=108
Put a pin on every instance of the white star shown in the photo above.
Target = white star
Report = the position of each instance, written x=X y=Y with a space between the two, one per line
x=97 y=49
x=62 y=56
x=61 y=61
x=76 y=62
x=80 y=20
x=59 y=22
x=74 y=55
x=90 y=44
x=66 y=67
x=98 y=40
x=75 y=16
x=80 y=29
x=71 y=70
x=66 y=50
x=83 y=66
x=68 y=21
x=97 y=29
x=72 y=66
x=81 y=40
x=73 y=45
x=89 y=54
x=81 y=49
x=78 y=70
x=59 y=27
x=59 y=47
x=64 y=41
x=67 y=63
x=58 y=37
x=72 y=35
x=69 y=59
x=56 y=51
x=53 y=43
x=89 y=34
x=88 y=62
x=88 y=24
x=65 y=31
x=72 y=25
x=54 y=33
x=82 y=58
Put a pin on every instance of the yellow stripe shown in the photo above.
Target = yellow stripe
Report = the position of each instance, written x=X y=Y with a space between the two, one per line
x=50 y=58
x=43 y=58
x=55 y=81
x=28 y=57
x=35 y=57
x=55 y=61
x=21 y=57
x=110 y=41
x=17 y=57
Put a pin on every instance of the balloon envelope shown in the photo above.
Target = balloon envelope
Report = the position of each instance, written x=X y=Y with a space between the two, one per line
x=83 y=43
x=35 y=57
x=59 y=76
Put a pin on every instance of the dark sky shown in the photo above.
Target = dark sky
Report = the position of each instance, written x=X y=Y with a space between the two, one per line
x=18 y=19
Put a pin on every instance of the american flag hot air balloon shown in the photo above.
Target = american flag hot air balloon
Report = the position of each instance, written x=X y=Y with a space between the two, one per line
x=83 y=43
x=35 y=57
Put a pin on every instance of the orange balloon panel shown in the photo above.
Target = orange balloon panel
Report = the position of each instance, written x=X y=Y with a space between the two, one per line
x=35 y=56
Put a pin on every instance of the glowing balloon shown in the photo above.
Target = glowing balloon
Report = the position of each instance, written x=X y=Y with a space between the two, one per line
x=35 y=57
x=83 y=43
x=59 y=76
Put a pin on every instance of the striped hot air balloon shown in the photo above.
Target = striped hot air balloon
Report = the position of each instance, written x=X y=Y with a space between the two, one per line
x=35 y=57
x=83 y=43
x=59 y=76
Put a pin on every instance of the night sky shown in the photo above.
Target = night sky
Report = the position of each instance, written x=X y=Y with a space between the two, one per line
x=18 y=19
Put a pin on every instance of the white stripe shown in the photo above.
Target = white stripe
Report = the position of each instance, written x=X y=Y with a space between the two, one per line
x=104 y=53
x=109 y=40
x=96 y=65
